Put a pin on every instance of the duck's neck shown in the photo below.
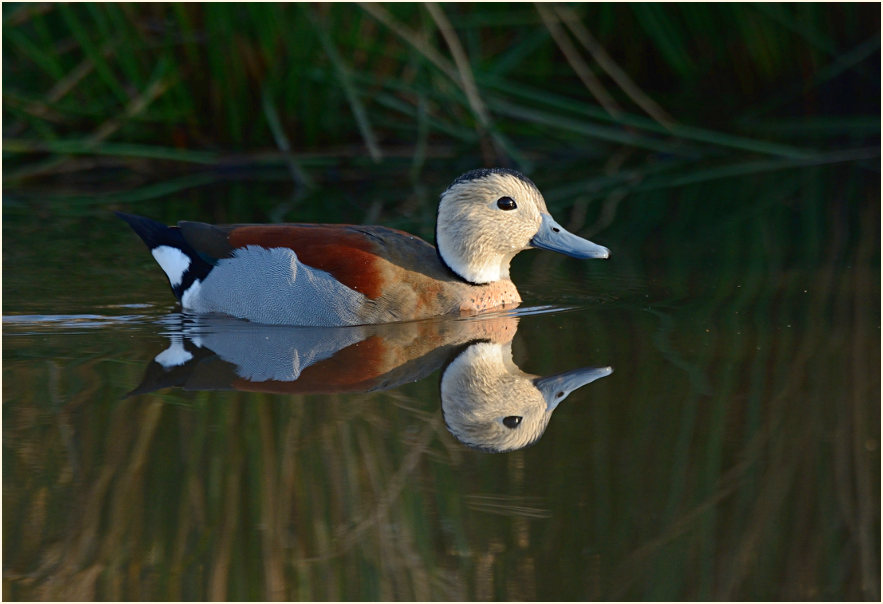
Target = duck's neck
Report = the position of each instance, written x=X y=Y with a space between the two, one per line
x=472 y=263
x=476 y=273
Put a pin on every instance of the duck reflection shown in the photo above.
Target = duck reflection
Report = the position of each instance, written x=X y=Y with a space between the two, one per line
x=488 y=403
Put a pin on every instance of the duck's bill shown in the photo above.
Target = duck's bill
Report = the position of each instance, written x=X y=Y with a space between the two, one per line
x=553 y=236
x=555 y=388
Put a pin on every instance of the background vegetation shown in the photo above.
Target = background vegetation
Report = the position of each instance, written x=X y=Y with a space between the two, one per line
x=181 y=95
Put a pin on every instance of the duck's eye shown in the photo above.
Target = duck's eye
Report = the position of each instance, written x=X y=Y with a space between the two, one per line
x=512 y=421
x=506 y=203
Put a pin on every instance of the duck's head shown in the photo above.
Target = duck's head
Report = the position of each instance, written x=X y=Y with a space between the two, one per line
x=485 y=217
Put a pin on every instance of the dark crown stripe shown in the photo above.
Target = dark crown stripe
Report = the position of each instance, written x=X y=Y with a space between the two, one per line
x=485 y=172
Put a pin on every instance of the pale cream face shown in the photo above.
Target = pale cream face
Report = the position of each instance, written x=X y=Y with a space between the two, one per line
x=476 y=237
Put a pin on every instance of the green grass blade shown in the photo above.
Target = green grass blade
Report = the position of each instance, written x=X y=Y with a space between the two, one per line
x=102 y=67
x=352 y=95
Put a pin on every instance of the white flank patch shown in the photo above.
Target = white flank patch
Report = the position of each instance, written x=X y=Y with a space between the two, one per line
x=173 y=261
x=188 y=298
x=173 y=356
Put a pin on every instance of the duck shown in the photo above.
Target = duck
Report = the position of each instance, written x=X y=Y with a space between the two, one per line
x=327 y=275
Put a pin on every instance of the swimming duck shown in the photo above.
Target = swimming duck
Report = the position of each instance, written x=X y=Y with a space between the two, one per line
x=332 y=274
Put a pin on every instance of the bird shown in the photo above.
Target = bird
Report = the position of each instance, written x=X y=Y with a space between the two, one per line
x=327 y=275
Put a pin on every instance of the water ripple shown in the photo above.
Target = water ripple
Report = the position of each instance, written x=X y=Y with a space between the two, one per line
x=74 y=321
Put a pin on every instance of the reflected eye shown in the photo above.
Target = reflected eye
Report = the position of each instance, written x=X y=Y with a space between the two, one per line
x=512 y=421
x=506 y=203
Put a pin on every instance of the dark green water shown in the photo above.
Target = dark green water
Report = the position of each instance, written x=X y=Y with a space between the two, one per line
x=734 y=452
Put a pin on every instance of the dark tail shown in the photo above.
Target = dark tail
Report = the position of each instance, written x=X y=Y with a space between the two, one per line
x=180 y=262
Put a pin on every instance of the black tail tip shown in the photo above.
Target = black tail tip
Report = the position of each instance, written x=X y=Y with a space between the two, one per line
x=137 y=222
x=152 y=232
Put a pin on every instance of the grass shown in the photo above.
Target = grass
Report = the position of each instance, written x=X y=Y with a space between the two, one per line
x=137 y=84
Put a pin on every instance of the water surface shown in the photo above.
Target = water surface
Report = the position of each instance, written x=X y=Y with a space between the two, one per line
x=733 y=453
